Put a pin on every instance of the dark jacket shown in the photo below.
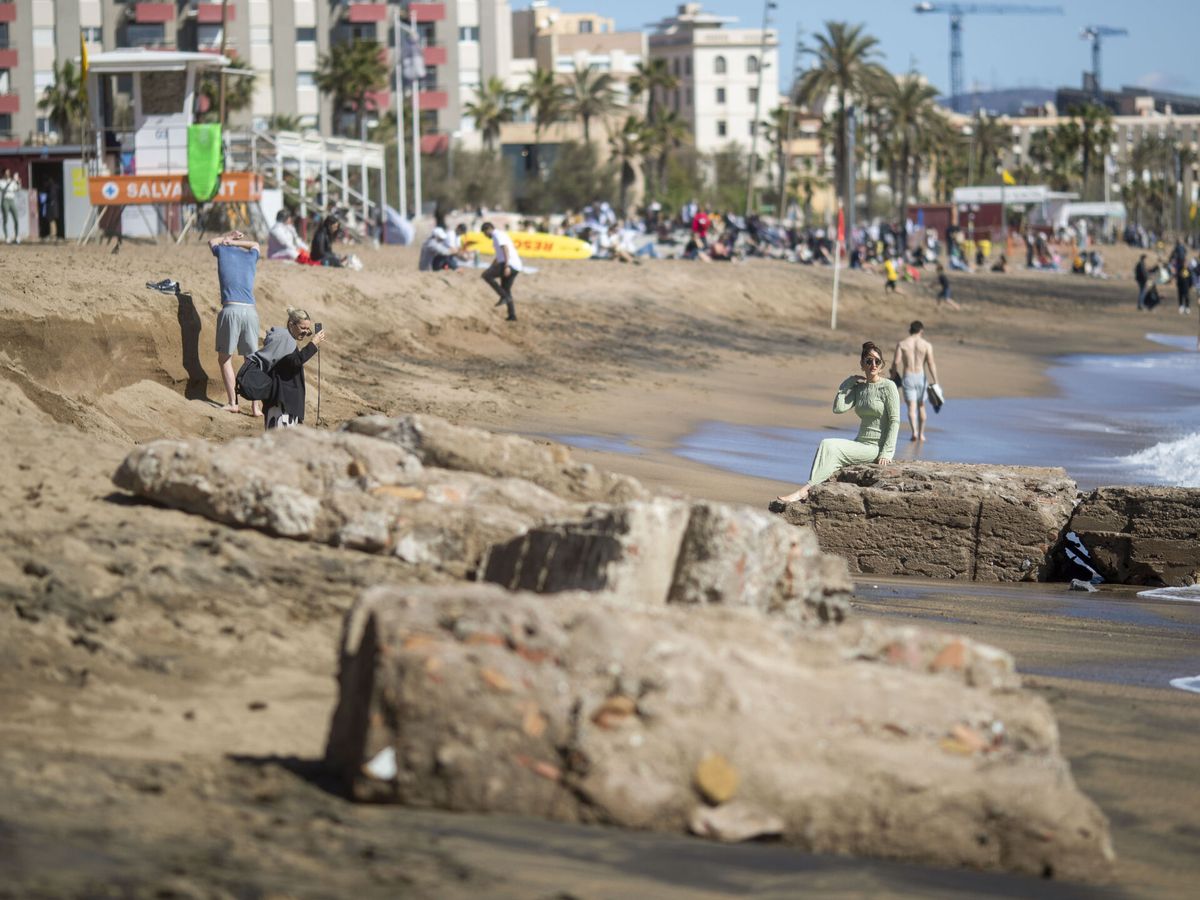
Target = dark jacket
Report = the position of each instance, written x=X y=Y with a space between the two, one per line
x=1139 y=272
x=288 y=377
x=320 y=247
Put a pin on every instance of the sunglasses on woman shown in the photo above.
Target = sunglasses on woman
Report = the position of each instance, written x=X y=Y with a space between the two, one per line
x=872 y=362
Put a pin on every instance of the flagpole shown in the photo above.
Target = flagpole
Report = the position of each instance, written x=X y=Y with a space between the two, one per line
x=837 y=266
x=416 y=126
x=401 y=172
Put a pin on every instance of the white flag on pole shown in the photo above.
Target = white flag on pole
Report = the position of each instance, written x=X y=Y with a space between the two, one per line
x=412 y=59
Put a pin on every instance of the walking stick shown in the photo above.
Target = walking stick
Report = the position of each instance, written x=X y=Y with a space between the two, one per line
x=318 y=387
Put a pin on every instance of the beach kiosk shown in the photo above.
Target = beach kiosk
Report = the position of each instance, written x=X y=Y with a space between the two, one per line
x=147 y=163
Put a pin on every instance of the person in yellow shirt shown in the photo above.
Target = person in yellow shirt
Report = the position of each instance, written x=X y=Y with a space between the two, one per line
x=893 y=276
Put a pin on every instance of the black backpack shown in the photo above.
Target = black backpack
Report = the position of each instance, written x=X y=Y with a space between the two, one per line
x=253 y=381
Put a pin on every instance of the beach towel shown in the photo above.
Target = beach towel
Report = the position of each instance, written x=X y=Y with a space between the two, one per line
x=205 y=163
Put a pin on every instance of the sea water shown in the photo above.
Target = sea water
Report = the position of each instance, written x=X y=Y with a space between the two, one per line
x=1112 y=420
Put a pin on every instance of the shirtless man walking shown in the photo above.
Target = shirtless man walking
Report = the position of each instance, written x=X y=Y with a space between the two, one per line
x=914 y=355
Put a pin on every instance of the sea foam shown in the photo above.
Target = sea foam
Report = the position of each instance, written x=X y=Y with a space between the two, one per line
x=1188 y=594
x=1175 y=463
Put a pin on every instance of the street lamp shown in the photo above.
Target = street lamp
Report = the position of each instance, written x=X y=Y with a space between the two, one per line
x=762 y=64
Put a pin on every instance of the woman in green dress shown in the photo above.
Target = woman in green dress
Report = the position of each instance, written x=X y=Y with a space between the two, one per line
x=877 y=403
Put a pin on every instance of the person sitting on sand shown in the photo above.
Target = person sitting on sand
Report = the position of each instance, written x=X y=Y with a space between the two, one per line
x=1001 y=265
x=283 y=242
x=876 y=402
x=284 y=359
x=322 y=244
x=237 y=323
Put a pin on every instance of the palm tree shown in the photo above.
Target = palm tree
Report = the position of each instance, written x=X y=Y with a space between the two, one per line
x=283 y=122
x=490 y=109
x=1095 y=134
x=626 y=148
x=664 y=134
x=989 y=137
x=846 y=66
x=239 y=91
x=544 y=98
x=649 y=78
x=1054 y=151
x=65 y=102
x=590 y=94
x=911 y=113
x=349 y=73
x=775 y=130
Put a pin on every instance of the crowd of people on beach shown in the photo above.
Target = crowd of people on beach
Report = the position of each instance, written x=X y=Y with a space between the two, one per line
x=1178 y=268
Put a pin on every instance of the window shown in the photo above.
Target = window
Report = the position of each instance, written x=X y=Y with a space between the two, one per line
x=719 y=65
x=92 y=35
x=585 y=26
x=305 y=35
x=676 y=102
x=675 y=65
x=5 y=83
x=43 y=37
x=5 y=124
x=753 y=95
x=752 y=64
x=208 y=37
x=689 y=97
x=721 y=129
x=469 y=33
x=138 y=35
x=41 y=81
x=753 y=130
x=720 y=95
x=687 y=66
x=4 y=35
x=306 y=79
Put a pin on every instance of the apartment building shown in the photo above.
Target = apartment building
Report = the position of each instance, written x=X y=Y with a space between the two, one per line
x=720 y=72
x=463 y=42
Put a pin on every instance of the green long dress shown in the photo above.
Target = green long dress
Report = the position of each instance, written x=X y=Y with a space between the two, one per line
x=878 y=406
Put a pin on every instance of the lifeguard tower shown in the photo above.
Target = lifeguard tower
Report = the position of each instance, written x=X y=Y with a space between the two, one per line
x=141 y=106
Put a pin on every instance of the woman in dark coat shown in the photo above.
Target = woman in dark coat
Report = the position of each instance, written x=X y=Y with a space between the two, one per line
x=321 y=250
x=286 y=360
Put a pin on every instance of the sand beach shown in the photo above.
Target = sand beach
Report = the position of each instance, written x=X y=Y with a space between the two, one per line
x=166 y=682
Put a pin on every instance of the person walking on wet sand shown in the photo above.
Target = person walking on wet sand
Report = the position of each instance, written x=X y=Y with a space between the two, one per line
x=237 y=323
x=501 y=274
x=913 y=357
x=876 y=402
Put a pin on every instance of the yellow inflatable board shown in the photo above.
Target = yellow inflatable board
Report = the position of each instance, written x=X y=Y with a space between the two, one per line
x=533 y=245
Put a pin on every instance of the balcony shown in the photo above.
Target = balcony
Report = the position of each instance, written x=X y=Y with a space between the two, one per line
x=379 y=100
x=427 y=12
x=8 y=59
x=10 y=102
x=364 y=12
x=210 y=13
x=434 y=144
x=8 y=12
x=433 y=100
x=434 y=56
x=153 y=13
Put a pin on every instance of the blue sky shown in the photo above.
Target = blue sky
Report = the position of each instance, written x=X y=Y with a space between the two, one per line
x=1000 y=51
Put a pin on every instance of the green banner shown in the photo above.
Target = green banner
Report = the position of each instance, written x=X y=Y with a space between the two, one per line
x=205 y=161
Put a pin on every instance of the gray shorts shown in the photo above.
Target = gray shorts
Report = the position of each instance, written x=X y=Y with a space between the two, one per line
x=914 y=388
x=237 y=329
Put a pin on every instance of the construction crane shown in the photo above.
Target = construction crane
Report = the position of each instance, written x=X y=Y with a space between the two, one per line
x=1094 y=33
x=956 y=11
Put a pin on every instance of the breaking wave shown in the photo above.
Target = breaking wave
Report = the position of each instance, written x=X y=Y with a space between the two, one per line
x=1175 y=463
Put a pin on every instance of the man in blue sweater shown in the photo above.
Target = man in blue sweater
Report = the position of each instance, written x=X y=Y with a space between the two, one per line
x=237 y=323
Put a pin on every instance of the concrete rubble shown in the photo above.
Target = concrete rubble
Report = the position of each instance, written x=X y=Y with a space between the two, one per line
x=864 y=738
x=1142 y=535
x=942 y=520
x=675 y=551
